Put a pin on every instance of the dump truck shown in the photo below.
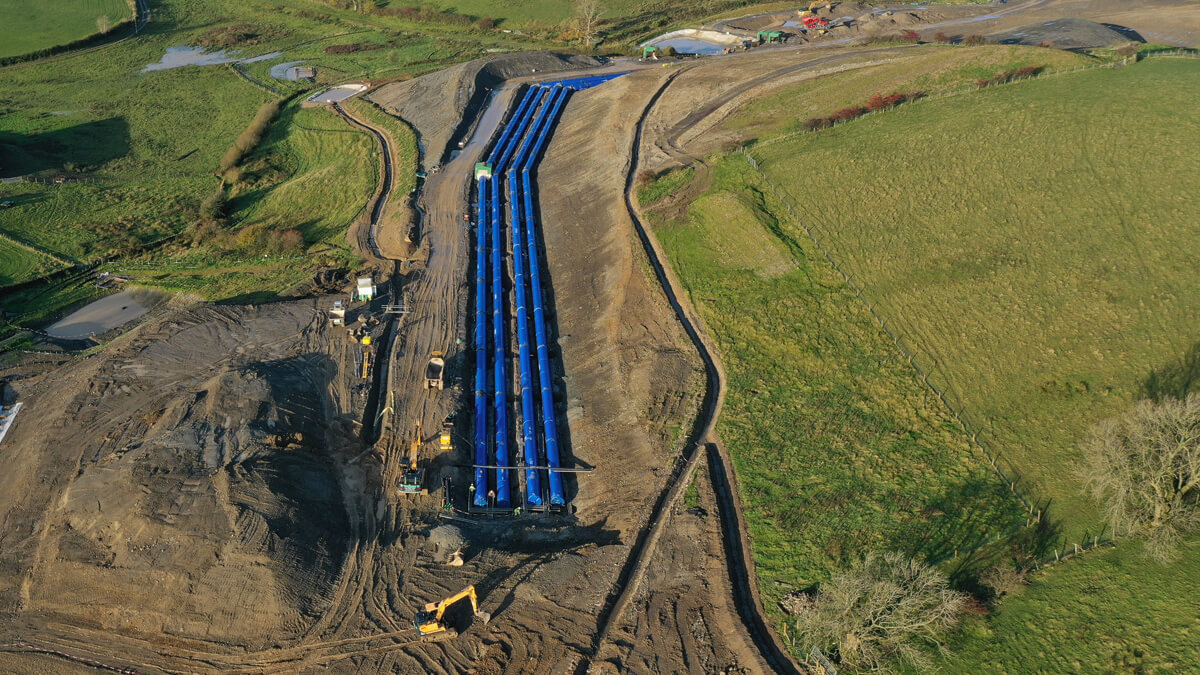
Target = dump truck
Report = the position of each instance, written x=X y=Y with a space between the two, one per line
x=434 y=371
x=412 y=478
x=430 y=621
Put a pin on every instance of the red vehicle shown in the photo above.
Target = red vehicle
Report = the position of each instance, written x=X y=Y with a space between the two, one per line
x=811 y=22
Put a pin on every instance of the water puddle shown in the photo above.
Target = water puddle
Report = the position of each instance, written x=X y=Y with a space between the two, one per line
x=264 y=57
x=177 y=57
x=181 y=55
x=104 y=315
x=285 y=70
x=685 y=45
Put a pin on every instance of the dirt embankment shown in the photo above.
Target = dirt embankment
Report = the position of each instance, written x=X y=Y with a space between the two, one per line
x=442 y=106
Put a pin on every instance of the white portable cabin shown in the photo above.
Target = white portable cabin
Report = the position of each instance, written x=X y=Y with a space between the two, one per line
x=366 y=289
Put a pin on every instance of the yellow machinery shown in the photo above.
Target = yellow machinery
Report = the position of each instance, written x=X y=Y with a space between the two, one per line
x=435 y=370
x=429 y=621
x=367 y=361
x=411 y=479
x=445 y=440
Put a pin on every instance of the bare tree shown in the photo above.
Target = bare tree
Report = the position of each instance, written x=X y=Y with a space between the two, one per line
x=103 y=23
x=587 y=13
x=1145 y=468
x=886 y=607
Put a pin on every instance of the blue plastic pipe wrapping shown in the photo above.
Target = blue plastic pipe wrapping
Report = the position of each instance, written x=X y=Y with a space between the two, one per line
x=508 y=140
x=533 y=486
x=549 y=424
x=481 y=425
x=499 y=345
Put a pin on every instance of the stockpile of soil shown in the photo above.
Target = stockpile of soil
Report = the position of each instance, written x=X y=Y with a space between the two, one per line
x=204 y=505
x=1063 y=34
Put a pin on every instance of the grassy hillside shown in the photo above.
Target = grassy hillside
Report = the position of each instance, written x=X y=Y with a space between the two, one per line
x=30 y=25
x=927 y=68
x=1108 y=611
x=22 y=263
x=1040 y=271
x=838 y=447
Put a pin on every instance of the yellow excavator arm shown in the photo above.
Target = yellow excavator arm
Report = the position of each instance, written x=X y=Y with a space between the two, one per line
x=415 y=449
x=429 y=621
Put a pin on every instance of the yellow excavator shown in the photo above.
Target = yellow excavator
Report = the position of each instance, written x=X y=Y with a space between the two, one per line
x=429 y=620
x=411 y=479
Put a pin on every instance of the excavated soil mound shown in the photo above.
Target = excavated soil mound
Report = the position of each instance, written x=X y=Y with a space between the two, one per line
x=204 y=504
x=1063 y=34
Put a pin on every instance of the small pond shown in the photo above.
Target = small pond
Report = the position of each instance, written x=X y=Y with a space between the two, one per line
x=687 y=45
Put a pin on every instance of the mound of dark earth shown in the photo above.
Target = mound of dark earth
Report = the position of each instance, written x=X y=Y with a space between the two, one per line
x=204 y=503
x=1065 y=34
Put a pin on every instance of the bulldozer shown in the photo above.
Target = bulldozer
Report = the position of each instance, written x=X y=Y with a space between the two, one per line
x=412 y=478
x=429 y=621
x=446 y=438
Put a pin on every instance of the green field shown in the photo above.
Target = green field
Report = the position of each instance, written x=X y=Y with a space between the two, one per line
x=927 y=68
x=1039 y=271
x=1108 y=611
x=148 y=143
x=838 y=447
x=22 y=263
x=30 y=25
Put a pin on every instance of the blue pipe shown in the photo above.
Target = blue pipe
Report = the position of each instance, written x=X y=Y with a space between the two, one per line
x=549 y=423
x=481 y=426
x=499 y=345
x=548 y=100
x=533 y=487
x=524 y=114
x=512 y=133
x=506 y=132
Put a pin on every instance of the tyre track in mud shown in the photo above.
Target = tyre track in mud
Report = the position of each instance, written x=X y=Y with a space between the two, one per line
x=736 y=540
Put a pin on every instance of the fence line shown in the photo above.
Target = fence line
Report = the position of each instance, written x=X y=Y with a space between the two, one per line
x=36 y=249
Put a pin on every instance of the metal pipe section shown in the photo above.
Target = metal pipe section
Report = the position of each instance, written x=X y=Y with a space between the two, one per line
x=499 y=346
x=549 y=422
x=481 y=419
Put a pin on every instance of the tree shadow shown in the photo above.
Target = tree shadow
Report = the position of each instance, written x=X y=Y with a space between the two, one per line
x=963 y=521
x=82 y=147
x=1174 y=380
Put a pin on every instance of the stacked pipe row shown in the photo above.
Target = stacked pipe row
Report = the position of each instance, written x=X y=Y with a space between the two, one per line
x=525 y=133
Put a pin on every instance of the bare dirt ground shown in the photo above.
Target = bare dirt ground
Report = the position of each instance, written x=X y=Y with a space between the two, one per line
x=211 y=492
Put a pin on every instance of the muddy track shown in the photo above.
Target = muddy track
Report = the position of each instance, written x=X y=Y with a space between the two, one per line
x=736 y=540
x=379 y=200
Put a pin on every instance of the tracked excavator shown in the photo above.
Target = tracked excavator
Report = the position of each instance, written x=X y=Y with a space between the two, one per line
x=412 y=478
x=430 y=620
